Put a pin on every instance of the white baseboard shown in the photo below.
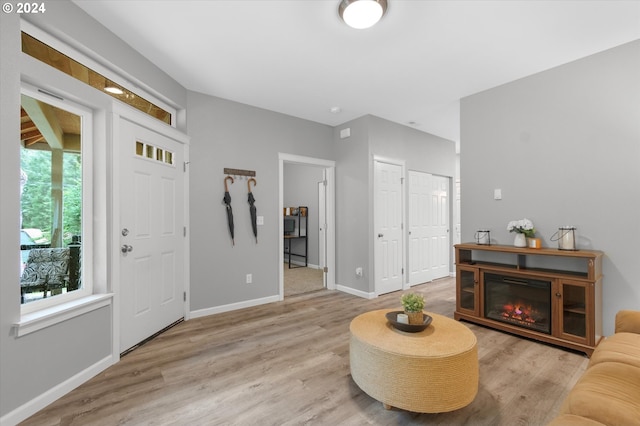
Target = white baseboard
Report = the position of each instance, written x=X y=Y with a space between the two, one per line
x=38 y=403
x=356 y=292
x=300 y=263
x=233 y=306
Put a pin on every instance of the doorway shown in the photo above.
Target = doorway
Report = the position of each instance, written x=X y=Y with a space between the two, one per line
x=309 y=215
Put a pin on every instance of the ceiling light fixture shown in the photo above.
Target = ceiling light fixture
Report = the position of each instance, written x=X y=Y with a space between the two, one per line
x=361 y=14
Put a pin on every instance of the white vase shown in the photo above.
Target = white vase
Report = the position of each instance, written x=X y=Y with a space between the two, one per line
x=520 y=240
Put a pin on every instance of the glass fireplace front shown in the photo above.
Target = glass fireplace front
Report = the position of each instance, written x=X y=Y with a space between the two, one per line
x=522 y=302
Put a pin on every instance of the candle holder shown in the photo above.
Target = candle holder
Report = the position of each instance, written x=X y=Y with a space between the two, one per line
x=483 y=237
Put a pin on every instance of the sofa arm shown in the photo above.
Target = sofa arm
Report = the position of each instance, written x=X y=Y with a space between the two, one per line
x=628 y=321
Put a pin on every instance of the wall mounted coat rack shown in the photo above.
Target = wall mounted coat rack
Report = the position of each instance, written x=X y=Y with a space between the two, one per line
x=239 y=172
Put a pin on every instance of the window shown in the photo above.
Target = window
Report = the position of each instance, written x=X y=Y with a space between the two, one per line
x=58 y=60
x=55 y=201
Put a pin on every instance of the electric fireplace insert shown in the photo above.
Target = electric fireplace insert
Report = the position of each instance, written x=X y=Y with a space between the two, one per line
x=518 y=301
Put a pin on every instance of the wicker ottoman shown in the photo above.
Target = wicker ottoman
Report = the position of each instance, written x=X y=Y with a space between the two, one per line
x=433 y=371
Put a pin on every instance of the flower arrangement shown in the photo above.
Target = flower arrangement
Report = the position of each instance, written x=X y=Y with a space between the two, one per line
x=522 y=226
x=412 y=302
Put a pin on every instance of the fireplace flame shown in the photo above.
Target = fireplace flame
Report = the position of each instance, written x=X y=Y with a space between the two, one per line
x=518 y=312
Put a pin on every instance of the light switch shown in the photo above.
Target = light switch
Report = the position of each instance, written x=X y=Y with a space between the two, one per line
x=497 y=194
x=260 y=220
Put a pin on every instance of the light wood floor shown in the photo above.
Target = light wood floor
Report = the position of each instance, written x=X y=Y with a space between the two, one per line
x=287 y=363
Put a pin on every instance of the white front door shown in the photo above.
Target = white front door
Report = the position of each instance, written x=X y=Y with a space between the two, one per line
x=439 y=227
x=419 y=226
x=152 y=235
x=388 y=248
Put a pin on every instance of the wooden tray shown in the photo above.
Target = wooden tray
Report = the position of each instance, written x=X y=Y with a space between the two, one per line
x=409 y=328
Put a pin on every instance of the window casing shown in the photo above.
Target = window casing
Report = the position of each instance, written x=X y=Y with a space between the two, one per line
x=85 y=152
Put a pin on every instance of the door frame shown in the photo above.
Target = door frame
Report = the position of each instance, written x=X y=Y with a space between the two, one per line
x=322 y=227
x=403 y=215
x=330 y=234
x=120 y=111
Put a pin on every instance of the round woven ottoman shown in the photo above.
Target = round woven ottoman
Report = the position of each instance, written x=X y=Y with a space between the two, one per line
x=432 y=371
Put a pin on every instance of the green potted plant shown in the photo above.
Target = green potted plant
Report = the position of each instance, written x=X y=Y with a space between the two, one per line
x=413 y=305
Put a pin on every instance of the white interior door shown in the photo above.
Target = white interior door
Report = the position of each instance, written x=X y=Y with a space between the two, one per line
x=152 y=238
x=419 y=227
x=388 y=248
x=439 y=234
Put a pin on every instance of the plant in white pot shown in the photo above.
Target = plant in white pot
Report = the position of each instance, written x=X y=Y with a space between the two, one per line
x=413 y=305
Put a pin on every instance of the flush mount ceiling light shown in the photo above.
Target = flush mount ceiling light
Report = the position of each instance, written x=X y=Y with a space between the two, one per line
x=361 y=14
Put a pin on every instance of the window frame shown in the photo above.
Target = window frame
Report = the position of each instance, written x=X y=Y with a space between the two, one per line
x=86 y=152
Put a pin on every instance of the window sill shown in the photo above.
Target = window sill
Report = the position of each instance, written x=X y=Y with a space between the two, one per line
x=44 y=318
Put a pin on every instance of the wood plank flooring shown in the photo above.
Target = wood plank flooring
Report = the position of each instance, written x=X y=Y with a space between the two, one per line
x=287 y=363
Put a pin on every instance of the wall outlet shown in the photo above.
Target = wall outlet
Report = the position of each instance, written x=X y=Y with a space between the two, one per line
x=249 y=278
x=358 y=272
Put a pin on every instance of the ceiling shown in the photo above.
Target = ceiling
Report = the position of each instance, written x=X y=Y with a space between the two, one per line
x=413 y=67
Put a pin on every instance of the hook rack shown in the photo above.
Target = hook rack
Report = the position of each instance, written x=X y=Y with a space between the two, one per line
x=239 y=172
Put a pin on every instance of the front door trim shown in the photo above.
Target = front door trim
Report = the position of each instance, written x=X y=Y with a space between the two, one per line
x=118 y=112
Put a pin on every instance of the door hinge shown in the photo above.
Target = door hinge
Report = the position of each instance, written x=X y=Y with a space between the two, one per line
x=324 y=182
x=402 y=271
x=184 y=231
x=401 y=181
x=325 y=269
x=184 y=296
x=184 y=165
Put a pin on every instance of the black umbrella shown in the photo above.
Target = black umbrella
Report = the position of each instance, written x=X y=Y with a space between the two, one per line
x=227 y=202
x=252 y=208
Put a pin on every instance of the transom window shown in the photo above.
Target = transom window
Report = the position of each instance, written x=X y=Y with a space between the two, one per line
x=50 y=56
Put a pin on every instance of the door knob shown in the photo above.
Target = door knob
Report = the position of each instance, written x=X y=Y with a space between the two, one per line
x=380 y=235
x=126 y=248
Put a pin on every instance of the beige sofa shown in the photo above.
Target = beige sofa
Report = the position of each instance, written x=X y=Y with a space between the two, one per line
x=608 y=393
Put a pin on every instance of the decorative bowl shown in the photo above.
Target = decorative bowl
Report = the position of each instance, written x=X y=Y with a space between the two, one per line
x=409 y=328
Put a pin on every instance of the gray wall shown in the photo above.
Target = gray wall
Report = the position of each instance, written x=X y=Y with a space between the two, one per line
x=301 y=189
x=9 y=215
x=564 y=147
x=373 y=136
x=230 y=134
x=352 y=205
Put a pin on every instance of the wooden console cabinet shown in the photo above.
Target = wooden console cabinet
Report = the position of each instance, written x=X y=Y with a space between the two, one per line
x=576 y=292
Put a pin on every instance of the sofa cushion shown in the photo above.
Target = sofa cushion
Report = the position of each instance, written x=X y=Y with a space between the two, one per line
x=621 y=347
x=573 y=420
x=608 y=392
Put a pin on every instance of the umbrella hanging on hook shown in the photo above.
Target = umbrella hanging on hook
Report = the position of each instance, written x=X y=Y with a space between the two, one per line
x=252 y=208
x=227 y=202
